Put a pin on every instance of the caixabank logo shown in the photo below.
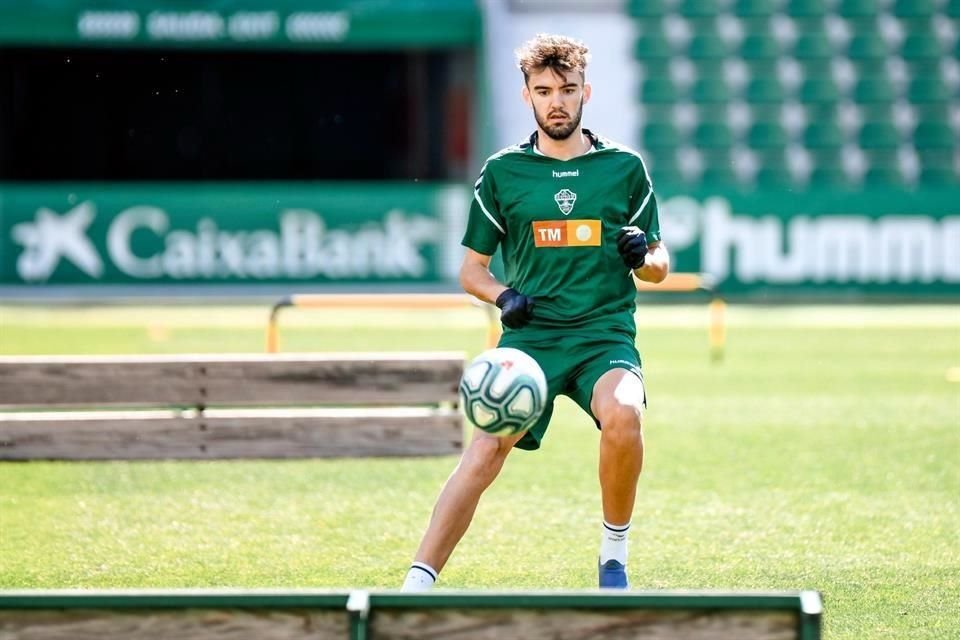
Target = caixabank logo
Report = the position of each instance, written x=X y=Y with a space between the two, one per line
x=141 y=243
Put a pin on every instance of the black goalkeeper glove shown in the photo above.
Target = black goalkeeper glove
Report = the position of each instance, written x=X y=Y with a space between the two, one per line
x=516 y=309
x=632 y=246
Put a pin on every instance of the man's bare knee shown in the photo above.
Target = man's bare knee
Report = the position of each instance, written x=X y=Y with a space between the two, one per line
x=484 y=458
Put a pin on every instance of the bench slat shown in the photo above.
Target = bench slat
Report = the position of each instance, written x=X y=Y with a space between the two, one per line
x=230 y=434
x=254 y=379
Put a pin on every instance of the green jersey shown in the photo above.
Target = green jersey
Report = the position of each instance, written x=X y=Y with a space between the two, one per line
x=556 y=223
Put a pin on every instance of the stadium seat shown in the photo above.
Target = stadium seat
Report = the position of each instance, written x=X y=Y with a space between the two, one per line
x=759 y=45
x=764 y=89
x=873 y=89
x=818 y=88
x=699 y=8
x=857 y=8
x=920 y=47
x=913 y=8
x=882 y=175
x=879 y=135
x=823 y=133
x=866 y=44
x=927 y=87
x=936 y=168
x=718 y=169
x=812 y=45
x=662 y=165
x=707 y=45
x=773 y=172
x=660 y=135
x=658 y=89
x=805 y=8
x=766 y=135
x=933 y=135
x=646 y=8
x=827 y=171
x=652 y=45
x=712 y=134
x=709 y=88
x=754 y=8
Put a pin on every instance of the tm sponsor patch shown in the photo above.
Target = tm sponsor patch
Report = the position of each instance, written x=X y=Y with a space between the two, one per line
x=566 y=233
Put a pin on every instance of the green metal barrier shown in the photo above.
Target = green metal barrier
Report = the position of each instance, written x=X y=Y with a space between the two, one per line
x=379 y=615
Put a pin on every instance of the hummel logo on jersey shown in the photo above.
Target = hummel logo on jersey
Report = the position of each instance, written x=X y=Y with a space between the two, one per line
x=565 y=199
x=566 y=174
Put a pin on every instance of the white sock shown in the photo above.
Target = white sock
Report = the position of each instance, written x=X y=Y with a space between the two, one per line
x=613 y=542
x=420 y=577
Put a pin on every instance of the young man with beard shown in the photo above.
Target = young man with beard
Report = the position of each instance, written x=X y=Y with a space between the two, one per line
x=575 y=216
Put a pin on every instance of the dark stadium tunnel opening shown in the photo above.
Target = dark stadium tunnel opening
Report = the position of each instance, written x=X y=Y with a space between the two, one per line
x=93 y=114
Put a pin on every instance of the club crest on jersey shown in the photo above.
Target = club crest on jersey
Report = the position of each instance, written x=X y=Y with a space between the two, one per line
x=565 y=199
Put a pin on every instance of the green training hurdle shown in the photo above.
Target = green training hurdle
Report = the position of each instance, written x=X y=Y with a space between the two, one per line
x=388 y=615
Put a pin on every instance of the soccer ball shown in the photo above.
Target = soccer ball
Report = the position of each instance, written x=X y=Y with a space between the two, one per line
x=503 y=391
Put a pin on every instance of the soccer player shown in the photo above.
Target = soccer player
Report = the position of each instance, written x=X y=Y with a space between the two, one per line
x=575 y=217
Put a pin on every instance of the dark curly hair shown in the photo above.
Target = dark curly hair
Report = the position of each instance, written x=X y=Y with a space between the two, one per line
x=562 y=54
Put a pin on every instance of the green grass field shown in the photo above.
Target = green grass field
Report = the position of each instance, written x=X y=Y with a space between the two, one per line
x=823 y=453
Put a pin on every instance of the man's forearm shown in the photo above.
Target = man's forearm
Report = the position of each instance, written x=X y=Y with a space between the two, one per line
x=656 y=265
x=477 y=280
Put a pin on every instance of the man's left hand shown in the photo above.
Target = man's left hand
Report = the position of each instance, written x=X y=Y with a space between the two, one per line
x=632 y=246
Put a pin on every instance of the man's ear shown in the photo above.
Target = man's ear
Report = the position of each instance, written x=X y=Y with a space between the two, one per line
x=525 y=94
x=587 y=90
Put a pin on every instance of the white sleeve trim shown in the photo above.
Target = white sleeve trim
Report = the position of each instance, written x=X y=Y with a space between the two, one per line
x=476 y=196
x=639 y=209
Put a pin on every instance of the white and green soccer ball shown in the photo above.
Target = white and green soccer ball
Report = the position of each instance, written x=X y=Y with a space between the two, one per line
x=503 y=391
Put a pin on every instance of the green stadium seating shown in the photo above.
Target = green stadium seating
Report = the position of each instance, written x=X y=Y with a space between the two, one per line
x=773 y=172
x=812 y=45
x=900 y=89
x=818 y=89
x=936 y=176
x=764 y=89
x=754 y=8
x=712 y=134
x=662 y=165
x=927 y=88
x=866 y=44
x=933 y=135
x=827 y=171
x=913 y=8
x=937 y=167
x=646 y=8
x=759 y=45
x=823 y=133
x=707 y=45
x=857 y=8
x=652 y=45
x=920 y=46
x=879 y=135
x=766 y=135
x=699 y=8
x=873 y=89
x=806 y=8
x=660 y=135
x=658 y=89
x=717 y=168
x=882 y=175
x=710 y=88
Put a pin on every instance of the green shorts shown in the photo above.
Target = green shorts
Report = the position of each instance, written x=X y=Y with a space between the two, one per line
x=572 y=363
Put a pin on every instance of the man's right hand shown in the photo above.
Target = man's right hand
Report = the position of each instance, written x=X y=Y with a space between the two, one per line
x=516 y=309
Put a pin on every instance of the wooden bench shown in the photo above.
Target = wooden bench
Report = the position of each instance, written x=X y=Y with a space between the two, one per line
x=230 y=406
x=362 y=615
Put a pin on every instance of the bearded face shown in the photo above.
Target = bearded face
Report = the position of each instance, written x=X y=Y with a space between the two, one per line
x=557 y=123
x=557 y=100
